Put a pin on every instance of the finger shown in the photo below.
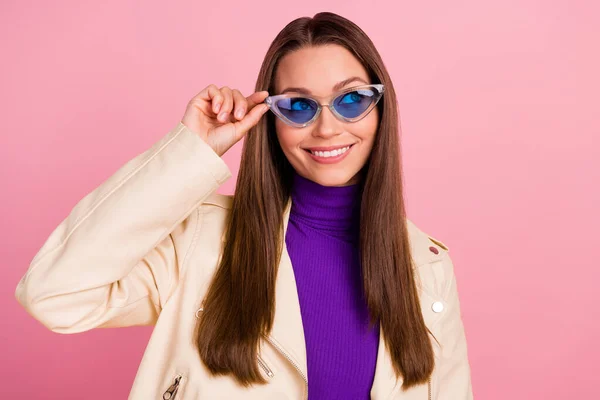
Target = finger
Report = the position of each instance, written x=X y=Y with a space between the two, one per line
x=240 y=104
x=251 y=119
x=227 y=104
x=213 y=95
x=256 y=98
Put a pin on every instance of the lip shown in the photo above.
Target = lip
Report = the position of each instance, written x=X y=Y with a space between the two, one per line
x=330 y=160
x=329 y=148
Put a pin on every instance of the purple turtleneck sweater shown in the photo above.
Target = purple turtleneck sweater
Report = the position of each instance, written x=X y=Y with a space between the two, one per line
x=322 y=241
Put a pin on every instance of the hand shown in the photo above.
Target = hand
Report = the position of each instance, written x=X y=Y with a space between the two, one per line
x=221 y=117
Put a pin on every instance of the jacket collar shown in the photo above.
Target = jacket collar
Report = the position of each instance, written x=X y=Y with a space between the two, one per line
x=288 y=333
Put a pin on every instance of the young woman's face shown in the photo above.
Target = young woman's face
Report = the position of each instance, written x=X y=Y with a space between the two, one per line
x=318 y=70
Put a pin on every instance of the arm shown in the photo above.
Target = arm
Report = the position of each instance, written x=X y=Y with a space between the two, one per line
x=454 y=373
x=116 y=258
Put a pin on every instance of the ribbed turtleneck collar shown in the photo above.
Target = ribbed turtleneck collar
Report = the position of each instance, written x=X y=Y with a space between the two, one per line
x=332 y=209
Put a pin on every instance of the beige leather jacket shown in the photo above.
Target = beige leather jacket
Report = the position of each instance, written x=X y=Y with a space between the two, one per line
x=141 y=248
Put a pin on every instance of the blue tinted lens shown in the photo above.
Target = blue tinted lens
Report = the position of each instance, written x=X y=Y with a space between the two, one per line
x=298 y=109
x=353 y=104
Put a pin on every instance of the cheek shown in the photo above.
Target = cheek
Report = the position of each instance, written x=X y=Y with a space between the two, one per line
x=366 y=129
x=288 y=137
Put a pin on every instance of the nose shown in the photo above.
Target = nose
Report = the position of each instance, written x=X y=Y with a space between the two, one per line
x=326 y=124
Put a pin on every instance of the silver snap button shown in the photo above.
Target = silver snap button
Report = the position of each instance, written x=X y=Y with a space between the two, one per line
x=437 y=306
x=198 y=311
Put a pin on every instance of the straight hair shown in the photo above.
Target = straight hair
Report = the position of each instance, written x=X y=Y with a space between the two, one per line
x=239 y=306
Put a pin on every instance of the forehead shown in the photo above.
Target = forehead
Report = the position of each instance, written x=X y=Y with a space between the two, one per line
x=318 y=69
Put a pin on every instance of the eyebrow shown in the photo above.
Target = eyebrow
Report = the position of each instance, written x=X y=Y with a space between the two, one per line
x=336 y=87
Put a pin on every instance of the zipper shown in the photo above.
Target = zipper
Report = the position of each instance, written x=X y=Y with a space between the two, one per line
x=265 y=367
x=305 y=395
x=429 y=389
x=170 y=393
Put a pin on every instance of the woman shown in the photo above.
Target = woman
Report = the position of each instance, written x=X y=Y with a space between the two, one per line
x=309 y=280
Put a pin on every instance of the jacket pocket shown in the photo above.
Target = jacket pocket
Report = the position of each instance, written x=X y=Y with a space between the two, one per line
x=175 y=387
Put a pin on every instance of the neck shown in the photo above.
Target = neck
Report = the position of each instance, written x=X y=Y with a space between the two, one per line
x=330 y=208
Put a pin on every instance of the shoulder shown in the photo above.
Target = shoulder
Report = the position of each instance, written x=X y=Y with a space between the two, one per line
x=212 y=214
x=425 y=248
x=207 y=218
x=433 y=264
x=216 y=202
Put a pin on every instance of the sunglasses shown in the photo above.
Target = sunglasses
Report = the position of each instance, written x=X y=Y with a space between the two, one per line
x=349 y=105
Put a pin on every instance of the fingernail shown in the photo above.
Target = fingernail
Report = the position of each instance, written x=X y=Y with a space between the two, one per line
x=240 y=113
x=217 y=107
x=222 y=115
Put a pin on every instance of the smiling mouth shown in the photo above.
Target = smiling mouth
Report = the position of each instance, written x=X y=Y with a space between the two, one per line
x=330 y=153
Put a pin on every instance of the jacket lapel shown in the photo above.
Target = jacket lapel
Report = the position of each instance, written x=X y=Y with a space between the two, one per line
x=288 y=331
x=385 y=378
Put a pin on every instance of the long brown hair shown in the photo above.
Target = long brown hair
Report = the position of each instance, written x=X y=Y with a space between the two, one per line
x=240 y=304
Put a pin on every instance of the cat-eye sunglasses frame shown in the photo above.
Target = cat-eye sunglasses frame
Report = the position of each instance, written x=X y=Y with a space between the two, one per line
x=366 y=96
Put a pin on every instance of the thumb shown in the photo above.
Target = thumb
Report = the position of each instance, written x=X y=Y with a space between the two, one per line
x=256 y=98
x=251 y=119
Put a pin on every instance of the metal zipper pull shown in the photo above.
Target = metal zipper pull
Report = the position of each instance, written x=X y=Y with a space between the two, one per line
x=283 y=353
x=172 y=390
x=265 y=367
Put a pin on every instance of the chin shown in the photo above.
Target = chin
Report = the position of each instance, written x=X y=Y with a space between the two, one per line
x=332 y=179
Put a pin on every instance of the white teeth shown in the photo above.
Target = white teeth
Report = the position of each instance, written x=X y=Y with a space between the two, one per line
x=332 y=153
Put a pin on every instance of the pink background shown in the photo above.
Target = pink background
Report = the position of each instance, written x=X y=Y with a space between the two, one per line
x=499 y=109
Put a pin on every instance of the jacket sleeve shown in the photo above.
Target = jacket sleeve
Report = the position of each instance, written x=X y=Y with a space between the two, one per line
x=454 y=371
x=114 y=260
